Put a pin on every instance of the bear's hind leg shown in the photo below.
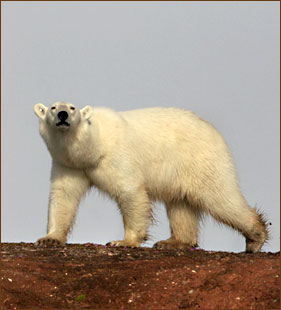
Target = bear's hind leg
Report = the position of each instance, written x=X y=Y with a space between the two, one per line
x=184 y=224
x=237 y=214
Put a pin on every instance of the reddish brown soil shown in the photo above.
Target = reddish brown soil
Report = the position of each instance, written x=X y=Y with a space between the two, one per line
x=99 y=277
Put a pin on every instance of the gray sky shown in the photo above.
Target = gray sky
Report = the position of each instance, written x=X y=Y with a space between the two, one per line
x=219 y=59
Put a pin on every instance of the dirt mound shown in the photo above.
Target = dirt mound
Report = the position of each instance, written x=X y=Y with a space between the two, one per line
x=91 y=276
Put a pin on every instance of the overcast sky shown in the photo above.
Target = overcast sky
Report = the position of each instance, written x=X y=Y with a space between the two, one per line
x=219 y=59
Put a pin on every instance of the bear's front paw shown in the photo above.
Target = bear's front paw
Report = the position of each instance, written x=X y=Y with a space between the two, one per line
x=123 y=243
x=48 y=241
x=173 y=244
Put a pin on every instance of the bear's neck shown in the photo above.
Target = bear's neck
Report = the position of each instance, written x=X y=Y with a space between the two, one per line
x=75 y=149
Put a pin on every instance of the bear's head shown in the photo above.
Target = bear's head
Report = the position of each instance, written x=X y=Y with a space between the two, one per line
x=60 y=125
x=62 y=116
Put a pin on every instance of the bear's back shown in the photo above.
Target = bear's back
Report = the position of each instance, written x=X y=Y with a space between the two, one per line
x=170 y=124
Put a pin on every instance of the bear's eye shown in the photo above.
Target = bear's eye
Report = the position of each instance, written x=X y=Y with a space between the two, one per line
x=72 y=108
x=53 y=108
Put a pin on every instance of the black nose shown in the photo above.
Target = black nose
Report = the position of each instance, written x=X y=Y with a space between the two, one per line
x=62 y=115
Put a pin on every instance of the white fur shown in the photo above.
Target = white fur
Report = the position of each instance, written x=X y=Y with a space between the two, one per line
x=136 y=157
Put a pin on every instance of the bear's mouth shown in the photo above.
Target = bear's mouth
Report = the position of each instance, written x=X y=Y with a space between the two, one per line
x=63 y=123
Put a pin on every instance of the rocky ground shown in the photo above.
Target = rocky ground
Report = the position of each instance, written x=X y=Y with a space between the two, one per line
x=90 y=276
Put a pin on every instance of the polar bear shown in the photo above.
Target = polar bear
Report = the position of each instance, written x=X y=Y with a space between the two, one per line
x=137 y=157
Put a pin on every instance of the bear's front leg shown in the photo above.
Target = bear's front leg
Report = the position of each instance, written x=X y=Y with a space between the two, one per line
x=136 y=211
x=67 y=188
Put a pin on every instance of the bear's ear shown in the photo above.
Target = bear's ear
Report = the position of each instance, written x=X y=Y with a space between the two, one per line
x=86 y=112
x=40 y=110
